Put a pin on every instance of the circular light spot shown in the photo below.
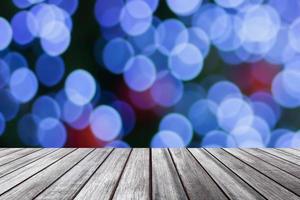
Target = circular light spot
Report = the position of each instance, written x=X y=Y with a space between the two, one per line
x=105 y=123
x=116 y=54
x=9 y=106
x=28 y=129
x=186 y=61
x=6 y=34
x=49 y=70
x=140 y=73
x=52 y=133
x=167 y=139
x=80 y=87
x=184 y=8
x=23 y=85
x=45 y=107
x=178 y=124
x=4 y=74
x=2 y=124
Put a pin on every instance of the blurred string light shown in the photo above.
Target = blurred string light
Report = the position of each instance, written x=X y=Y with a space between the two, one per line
x=161 y=61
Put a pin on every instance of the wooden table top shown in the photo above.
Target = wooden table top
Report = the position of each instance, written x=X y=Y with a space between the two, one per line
x=86 y=173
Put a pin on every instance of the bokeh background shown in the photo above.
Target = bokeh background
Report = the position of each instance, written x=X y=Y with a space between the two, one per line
x=149 y=73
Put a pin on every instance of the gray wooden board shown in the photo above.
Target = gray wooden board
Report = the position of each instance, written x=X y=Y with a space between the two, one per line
x=71 y=183
x=258 y=181
x=165 y=182
x=232 y=185
x=198 y=183
x=135 y=182
x=104 y=181
x=283 y=178
x=149 y=174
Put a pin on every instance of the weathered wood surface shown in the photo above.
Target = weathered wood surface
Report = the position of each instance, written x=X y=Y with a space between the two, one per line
x=149 y=174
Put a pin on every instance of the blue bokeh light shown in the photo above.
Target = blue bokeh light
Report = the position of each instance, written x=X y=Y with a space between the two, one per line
x=106 y=123
x=218 y=139
x=45 y=107
x=51 y=133
x=2 y=124
x=167 y=90
x=23 y=85
x=9 y=106
x=135 y=17
x=80 y=87
x=4 y=74
x=167 y=139
x=179 y=124
x=6 y=33
x=140 y=73
x=222 y=90
x=116 y=54
x=28 y=129
x=49 y=70
x=15 y=61
x=186 y=61
x=184 y=8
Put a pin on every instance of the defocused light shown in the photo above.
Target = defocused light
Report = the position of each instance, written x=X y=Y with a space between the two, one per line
x=167 y=90
x=178 y=124
x=184 y=8
x=28 y=129
x=81 y=121
x=107 y=12
x=229 y=3
x=23 y=85
x=222 y=90
x=247 y=137
x=105 y=123
x=49 y=70
x=166 y=39
x=127 y=114
x=294 y=31
x=15 y=61
x=116 y=54
x=9 y=106
x=118 y=144
x=231 y=111
x=135 y=17
x=140 y=73
x=68 y=5
x=4 y=74
x=202 y=116
x=276 y=134
x=51 y=133
x=218 y=139
x=145 y=43
x=80 y=87
x=186 y=61
x=70 y=111
x=45 y=107
x=6 y=33
x=2 y=124
x=21 y=32
x=264 y=111
x=167 y=139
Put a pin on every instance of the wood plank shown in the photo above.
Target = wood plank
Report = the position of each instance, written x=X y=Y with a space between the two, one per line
x=8 y=151
x=285 y=179
x=284 y=165
x=198 y=183
x=232 y=185
x=10 y=180
x=291 y=151
x=264 y=185
x=103 y=183
x=19 y=154
x=135 y=181
x=30 y=188
x=69 y=185
x=284 y=155
x=21 y=162
x=166 y=183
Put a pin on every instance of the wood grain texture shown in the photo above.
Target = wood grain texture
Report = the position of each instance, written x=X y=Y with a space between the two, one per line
x=135 y=182
x=16 y=155
x=70 y=184
x=264 y=185
x=16 y=177
x=138 y=174
x=21 y=162
x=37 y=183
x=103 y=183
x=283 y=178
x=198 y=183
x=165 y=181
x=232 y=185
x=282 y=164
